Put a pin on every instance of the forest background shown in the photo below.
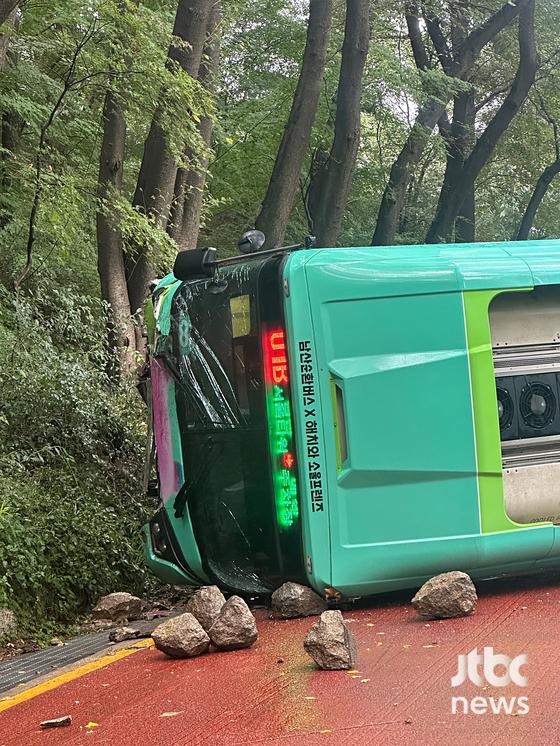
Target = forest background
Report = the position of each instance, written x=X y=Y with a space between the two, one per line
x=131 y=129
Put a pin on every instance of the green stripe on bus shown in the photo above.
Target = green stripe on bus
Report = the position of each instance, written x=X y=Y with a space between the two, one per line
x=493 y=516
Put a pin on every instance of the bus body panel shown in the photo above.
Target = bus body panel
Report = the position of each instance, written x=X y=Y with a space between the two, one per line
x=299 y=328
x=394 y=406
x=404 y=504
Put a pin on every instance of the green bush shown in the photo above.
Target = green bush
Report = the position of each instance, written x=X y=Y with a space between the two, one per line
x=71 y=452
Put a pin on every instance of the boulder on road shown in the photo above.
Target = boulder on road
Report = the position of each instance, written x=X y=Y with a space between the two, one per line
x=118 y=606
x=205 y=604
x=181 y=637
x=8 y=622
x=450 y=594
x=330 y=643
x=235 y=626
x=295 y=600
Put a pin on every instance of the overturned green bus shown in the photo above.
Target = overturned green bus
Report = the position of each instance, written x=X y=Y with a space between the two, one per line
x=357 y=419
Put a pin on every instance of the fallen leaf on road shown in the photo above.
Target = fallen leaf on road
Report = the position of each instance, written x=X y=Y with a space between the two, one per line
x=92 y=725
x=170 y=714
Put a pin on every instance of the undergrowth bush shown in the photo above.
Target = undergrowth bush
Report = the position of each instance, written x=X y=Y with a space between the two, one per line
x=71 y=452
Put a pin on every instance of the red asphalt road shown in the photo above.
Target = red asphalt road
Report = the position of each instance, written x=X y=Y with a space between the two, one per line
x=272 y=693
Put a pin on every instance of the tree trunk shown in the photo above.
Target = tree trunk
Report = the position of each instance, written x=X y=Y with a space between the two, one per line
x=277 y=204
x=465 y=224
x=335 y=178
x=7 y=7
x=459 y=141
x=541 y=188
x=482 y=151
x=154 y=189
x=416 y=37
x=184 y=220
x=9 y=22
x=393 y=198
x=110 y=257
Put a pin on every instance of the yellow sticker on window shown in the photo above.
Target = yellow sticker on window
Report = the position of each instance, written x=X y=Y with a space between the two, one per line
x=240 y=307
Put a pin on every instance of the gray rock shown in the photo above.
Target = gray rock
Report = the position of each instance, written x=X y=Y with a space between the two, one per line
x=330 y=643
x=119 y=634
x=8 y=622
x=181 y=637
x=450 y=594
x=57 y=722
x=118 y=606
x=294 y=600
x=133 y=631
x=235 y=626
x=206 y=604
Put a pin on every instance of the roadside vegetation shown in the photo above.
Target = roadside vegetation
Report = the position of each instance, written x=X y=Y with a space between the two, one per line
x=131 y=129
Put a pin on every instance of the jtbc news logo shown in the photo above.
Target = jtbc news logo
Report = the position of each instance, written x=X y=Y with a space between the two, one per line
x=494 y=669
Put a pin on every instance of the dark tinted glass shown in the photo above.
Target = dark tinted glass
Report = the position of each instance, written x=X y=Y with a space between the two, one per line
x=222 y=415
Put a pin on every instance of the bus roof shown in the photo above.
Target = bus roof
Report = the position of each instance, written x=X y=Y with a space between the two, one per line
x=448 y=267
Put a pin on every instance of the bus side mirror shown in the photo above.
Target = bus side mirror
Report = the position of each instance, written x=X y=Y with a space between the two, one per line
x=251 y=241
x=194 y=263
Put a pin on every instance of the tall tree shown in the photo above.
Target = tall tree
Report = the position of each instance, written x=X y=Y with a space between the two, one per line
x=333 y=181
x=544 y=181
x=184 y=219
x=450 y=205
x=458 y=149
x=459 y=67
x=110 y=257
x=156 y=179
x=282 y=187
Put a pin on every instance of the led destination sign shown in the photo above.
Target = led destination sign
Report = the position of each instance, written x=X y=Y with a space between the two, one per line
x=280 y=426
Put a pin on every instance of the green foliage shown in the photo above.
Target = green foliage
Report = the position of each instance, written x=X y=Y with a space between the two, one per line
x=63 y=58
x=71 y=443
x=71 y=452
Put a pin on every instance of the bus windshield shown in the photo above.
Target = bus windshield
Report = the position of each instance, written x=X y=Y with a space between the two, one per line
x=217 y=356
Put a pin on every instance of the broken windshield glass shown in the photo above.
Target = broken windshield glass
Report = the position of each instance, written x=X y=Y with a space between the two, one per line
x=215 y=352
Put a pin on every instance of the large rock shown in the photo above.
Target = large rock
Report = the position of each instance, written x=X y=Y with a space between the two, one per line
x=8 y=622
x=235 y=626
x=206 y=604
x=447 y=595
x=330 y=643
x=181 y=637
x=118 y=606
x=293 y=600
